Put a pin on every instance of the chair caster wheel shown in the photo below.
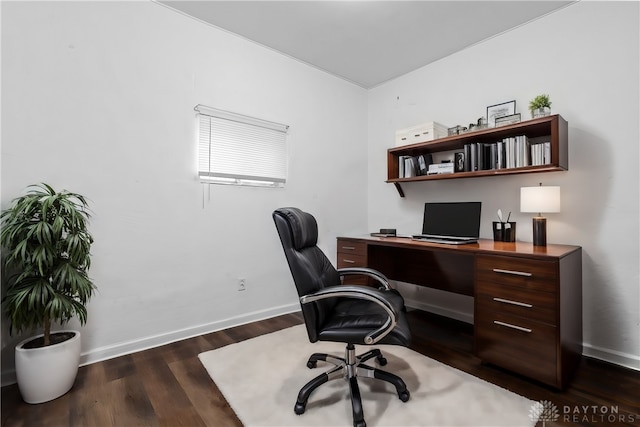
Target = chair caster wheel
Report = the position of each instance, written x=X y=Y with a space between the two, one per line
x=312 y=364
x=404 y=396
x=300 y=408
x=381 y=360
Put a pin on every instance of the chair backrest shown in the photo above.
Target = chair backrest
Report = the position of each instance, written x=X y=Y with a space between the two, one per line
x=310 y=268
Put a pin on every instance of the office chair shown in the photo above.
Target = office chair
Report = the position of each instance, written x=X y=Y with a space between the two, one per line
x=340 y=313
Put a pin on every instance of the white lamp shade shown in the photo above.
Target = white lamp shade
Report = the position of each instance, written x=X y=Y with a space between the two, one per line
x=540 y=199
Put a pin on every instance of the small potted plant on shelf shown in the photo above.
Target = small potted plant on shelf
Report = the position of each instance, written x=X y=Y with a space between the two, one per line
x=46 y=243
x=540 y=106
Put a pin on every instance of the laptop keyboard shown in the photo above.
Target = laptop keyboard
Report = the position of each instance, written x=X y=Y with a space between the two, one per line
x=445 y=240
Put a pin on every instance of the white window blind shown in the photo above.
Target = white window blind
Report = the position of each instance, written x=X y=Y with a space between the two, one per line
x=238 y=149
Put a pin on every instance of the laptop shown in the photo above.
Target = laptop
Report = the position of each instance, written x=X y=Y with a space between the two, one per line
x=452 y=223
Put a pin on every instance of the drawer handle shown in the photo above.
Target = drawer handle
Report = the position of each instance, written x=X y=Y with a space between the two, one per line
x=509 y=325
x=516 y=273
x=508 y=301
x=349 y=248
x=349 y=261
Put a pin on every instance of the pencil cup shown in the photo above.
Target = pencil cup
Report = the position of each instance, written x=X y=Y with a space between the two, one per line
x=504 y=231
x=497 y=231
x=509 y=232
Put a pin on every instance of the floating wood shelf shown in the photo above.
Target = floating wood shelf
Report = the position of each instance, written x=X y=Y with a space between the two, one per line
x=553 y=128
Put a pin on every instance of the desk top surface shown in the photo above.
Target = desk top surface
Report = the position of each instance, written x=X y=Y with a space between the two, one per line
x=487 y=246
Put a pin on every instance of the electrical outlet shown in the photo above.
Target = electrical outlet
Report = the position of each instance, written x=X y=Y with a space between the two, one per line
x=242 y=284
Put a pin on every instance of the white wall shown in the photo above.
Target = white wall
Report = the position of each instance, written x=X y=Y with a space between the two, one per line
x=586 y=57
x=98 y=98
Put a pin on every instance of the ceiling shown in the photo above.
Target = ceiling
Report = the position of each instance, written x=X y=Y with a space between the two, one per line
x=366 y=42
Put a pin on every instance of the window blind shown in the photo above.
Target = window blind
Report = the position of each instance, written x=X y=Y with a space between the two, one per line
x=238 y=149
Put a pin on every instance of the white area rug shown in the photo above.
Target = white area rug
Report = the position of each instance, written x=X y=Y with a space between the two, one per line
x=261 y=377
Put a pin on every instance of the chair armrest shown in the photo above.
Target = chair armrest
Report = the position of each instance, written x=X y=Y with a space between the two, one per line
x=360 y=292
x=351 y=271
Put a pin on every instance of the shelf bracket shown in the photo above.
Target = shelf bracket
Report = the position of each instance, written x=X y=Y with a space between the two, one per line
x=399 y=188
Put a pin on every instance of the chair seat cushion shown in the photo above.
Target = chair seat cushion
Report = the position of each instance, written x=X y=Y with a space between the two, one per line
x=353 y=319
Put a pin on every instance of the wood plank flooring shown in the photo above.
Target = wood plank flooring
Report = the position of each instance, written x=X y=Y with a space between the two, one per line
x=167 y=386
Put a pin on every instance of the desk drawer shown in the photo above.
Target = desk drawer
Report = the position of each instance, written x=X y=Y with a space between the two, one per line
x=536 y=305
x=352 y=254
x=518 y=344
x=352 y=247
x=351 y=260
x=518 y=272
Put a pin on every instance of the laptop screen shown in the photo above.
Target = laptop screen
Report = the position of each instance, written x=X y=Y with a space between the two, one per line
x=458 y=219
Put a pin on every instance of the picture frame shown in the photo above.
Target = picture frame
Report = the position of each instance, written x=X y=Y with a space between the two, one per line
x=500 y=110
x=507 y=120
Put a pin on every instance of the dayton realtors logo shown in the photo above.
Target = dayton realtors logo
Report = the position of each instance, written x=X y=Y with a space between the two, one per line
x=597 y=414
x=544 y=411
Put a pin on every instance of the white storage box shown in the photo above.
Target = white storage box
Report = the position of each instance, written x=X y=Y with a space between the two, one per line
x=420 y=133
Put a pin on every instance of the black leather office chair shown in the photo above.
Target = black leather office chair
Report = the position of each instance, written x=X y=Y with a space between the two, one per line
x=340 y=313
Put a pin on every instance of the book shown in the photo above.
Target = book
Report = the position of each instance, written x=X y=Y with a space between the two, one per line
x=480 y=156
x=467 y=157
x=500 y=161
x=473 y=157
x=410 y=167
x=493 y=156
x=424 y=160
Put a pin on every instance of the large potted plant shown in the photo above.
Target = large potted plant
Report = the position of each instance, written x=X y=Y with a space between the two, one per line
x=47 y=255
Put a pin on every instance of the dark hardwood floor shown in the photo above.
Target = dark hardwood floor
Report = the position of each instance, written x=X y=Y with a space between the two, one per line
x=167 y=386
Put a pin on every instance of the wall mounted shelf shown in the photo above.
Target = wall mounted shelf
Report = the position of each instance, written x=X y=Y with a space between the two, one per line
x=552 y=129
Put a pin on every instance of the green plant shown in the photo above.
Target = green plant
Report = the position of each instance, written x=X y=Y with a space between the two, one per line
x=47 y=243
x=539 y=101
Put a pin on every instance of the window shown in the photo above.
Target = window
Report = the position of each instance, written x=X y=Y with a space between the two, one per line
x=241 y=150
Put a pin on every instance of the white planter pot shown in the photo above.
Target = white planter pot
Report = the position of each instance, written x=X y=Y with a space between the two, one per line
x=541 y=112
x=46 y=373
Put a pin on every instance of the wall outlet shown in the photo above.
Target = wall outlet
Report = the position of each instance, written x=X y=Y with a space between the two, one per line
x=242 y=284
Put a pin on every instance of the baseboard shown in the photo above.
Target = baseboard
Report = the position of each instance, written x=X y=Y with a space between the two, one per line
x=8 y=377
x=109 y=352
x=626 y=360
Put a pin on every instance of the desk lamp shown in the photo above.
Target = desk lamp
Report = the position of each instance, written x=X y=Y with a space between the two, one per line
x=540 y=199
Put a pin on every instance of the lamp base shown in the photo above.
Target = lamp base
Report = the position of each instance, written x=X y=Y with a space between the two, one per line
x=539 y=231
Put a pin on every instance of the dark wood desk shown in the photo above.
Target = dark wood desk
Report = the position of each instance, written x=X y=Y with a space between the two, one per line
x=528 y=299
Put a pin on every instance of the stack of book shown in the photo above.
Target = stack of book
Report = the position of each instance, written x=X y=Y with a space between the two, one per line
x=541 y=154
x=513 y=152
x=409 y=166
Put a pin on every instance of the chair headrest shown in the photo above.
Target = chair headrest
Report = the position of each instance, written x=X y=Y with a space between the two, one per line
x=304 y=228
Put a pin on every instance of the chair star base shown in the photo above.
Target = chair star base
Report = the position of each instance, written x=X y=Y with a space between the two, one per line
x=350 y=368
